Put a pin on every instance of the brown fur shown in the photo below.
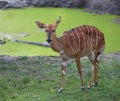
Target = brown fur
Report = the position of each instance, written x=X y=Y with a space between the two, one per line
x=81 y=41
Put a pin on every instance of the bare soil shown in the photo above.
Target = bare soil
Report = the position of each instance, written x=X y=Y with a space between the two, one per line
x=104 y=57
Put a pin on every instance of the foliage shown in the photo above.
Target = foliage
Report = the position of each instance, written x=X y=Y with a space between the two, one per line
x=17 y=21
x=38 y=79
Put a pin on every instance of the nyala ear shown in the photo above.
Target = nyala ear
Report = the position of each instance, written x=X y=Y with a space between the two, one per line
x=58 y=21
x=40 y=25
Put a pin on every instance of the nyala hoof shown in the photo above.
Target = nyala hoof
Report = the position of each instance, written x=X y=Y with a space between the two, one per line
x=60 y=90
x=89 y=87
x=83 y=88
x=94 y=84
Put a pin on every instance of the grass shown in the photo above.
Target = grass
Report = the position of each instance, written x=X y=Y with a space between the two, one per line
x=38 y=79
x=18 y=21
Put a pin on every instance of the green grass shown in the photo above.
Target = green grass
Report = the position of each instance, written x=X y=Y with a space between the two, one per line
x=38 y=79
x=18 y=21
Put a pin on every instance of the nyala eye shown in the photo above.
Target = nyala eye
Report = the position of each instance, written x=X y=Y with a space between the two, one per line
x=46 y=30
x=53 y=30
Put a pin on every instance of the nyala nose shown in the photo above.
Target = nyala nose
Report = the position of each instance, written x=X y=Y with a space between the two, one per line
x=49 y=40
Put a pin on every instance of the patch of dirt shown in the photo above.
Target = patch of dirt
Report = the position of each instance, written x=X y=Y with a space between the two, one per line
x=49 y=59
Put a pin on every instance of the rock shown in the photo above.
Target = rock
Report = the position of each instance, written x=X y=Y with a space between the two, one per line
x=97 y=6
x=3 y=3
x=16 y=4
x=103 y=6
x=19 y=4
x=41 y=3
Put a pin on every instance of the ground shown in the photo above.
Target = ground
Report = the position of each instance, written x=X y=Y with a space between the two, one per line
x=37 y=78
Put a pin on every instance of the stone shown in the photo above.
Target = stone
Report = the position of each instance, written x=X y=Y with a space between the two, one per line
x=97 y=6
x=3 y=3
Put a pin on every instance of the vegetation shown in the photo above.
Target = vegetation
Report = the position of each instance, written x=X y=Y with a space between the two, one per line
x=38 y=79
x=17 y=21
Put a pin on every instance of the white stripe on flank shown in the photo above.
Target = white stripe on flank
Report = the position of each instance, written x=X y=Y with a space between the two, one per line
x=83 y=29
x=100 y=36
x=97 y=40
x=87 y=29
x=92 y=37
x=74 y=41
x=96 y=37
x=83 y=40
x=90 y=45
x=70 y=44
x=78 y=40
x=88 y=41
x=84 y=43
